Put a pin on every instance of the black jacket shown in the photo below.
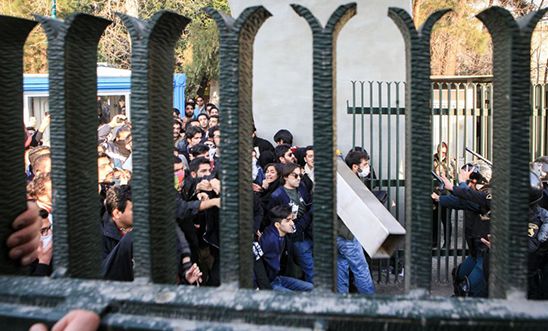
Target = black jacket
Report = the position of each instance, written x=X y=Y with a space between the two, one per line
x=111 y=235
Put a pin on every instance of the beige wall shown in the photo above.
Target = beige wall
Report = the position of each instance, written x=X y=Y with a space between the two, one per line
x=370 y=47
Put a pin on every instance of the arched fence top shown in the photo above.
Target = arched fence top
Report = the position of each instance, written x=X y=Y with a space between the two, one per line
x=233 y=302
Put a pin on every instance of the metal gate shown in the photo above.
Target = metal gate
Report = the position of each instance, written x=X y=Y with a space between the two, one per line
x=461 y=118
x=151 y=302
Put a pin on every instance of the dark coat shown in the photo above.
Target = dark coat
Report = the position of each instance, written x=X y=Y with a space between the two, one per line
x=273 y=245
x=303 y=223
x=118 y=265
x=111 y=235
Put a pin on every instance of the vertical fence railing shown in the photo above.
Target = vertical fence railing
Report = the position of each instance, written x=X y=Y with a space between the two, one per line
x=14 y=32
x=72 y=58
x=462 y=116
x=511 y=65
x=324 y=101
x=236 y=38
x=146 y=305
x=153 y=43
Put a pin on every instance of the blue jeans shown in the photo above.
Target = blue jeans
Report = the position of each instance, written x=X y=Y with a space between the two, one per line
x=473 y=268
x=302 y=250
x=350 y=257
x=290 y=284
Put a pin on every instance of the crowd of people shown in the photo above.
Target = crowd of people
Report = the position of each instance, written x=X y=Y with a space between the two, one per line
x=472 y=193
x=283 y=190
x=283 y=182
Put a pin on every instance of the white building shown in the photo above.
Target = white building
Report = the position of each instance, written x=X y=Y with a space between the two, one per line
x=369 y=47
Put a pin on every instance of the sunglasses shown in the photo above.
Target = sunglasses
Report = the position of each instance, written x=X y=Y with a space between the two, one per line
x=296 y=175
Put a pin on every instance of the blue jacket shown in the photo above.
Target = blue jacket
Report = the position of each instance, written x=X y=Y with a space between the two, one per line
x=273 y=246
x=304 y=223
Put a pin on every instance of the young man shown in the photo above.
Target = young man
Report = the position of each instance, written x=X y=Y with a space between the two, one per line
x=203 y=230
x=273 y=244
x=263 y=148
x=200 y=106
x=178 y=134
x=350 y=254
x=284 y=155
x=193 y=137
x=203 y=119
x=120 y=217
x=308 y=177
x=213 y=121
x=295 y=195
x=189 y=110
x=118 y=263
x=283 y=136
x=214 y=111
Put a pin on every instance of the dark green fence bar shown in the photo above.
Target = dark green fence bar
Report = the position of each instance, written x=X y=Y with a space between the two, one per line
x=533 y=121
x=324 y=118
x=72 y=59
x=153 y=43
x=353 y=113
x=146 y=305
x=511 y=61
x=418 y=124
x=379 y=137
x=438 y=211
x=236 y=119
x=13 y=34
x=362 y=115
x=389 y=145
x=397 y=184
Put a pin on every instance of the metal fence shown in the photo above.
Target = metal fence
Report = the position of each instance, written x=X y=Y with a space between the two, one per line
x=151 y=302
x=461 y=118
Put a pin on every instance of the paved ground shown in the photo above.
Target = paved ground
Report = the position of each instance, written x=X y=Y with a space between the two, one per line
x=441 y=277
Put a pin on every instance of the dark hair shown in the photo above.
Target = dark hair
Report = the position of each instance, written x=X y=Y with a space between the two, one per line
x=276 y=167
x=195 y=164
x=203 y=114
x=359 y=149
x=189 y=123
x=176 y=111
x=355 y=157
x=280 y=151
x=177 y=120
x=177 y=160
x=209 y=104
x=278 y=213
x=188 y=103
x=214 y=116
x=198 y=149
x=287 y=169
x=284 y=135
x=299 y=155
x=211 y=131
x=117 y=198
x=192 y=131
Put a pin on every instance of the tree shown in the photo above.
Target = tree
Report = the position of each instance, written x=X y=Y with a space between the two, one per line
x=461 y=45
x=196 y=52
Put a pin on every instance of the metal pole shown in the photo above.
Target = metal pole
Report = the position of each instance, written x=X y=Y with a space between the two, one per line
x=54 y=8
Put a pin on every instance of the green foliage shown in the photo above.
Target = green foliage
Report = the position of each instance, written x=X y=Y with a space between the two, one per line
x=196 y=52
